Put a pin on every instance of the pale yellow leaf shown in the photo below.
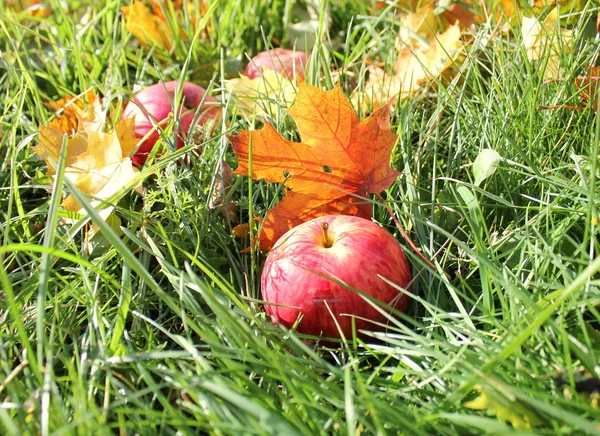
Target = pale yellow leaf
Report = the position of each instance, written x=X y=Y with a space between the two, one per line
x=547 y=37
x=416 y=63
x=52 y=139
x=126 y=134
x=264 y=94
x=378 y=90
x=427 y=62
x=419 y=24
x=93 y=117
x=98 y=163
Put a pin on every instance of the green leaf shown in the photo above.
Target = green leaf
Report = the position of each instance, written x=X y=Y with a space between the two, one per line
x=485 y=165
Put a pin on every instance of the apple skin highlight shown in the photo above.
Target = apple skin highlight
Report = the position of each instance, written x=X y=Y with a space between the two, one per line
x=301 y=276
x=156 y=101
x=290 y=62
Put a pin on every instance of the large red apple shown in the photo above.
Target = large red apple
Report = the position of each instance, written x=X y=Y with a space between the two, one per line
x=278 y=59
x=303 y=273
x=156 y=102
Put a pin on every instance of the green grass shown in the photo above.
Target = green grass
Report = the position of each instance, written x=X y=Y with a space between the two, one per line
x=160 y=328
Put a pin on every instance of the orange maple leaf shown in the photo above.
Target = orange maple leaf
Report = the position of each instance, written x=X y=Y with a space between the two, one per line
x=69 y=111
x=588 y=87
x=35 y=8
x=149 y=22
x=469 y=12
x=340 y=160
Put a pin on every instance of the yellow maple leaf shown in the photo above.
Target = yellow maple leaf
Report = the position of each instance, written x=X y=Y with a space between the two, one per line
x=420 y=23
x=547 y=37
x=97 y=163
x=417 y=62
x=378 y=90
x=148 y=22
x=264 y=94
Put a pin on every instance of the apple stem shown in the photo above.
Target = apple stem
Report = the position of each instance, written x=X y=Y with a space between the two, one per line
x=326 y=240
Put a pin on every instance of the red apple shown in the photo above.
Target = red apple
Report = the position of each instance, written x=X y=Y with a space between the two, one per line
x=302 y=275
x=156 y=101
x=278 y=59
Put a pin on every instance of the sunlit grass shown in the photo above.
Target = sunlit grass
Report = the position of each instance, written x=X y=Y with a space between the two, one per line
x=160 y=329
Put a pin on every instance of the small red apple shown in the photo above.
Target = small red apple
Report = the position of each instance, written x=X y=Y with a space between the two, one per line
x=278 y=59
x=156 y=101
x=302 y=275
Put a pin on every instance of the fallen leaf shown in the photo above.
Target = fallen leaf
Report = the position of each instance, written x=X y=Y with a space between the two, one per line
x=35 y=8
x=506 y=409
x=427 y=62
x=461 y=13
x=71 y=110
x=419 y=24
x=424 y=52
x=150 y=23
x=338 y=163
x=97 y=163
x=473 y=12
x=378 y=90
x=588 y=86
x=547 y=37
x=485 y=165
x=505 y=9
x=218 y=199
x=242 y=231
x=566 y=6
x=263 y=95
